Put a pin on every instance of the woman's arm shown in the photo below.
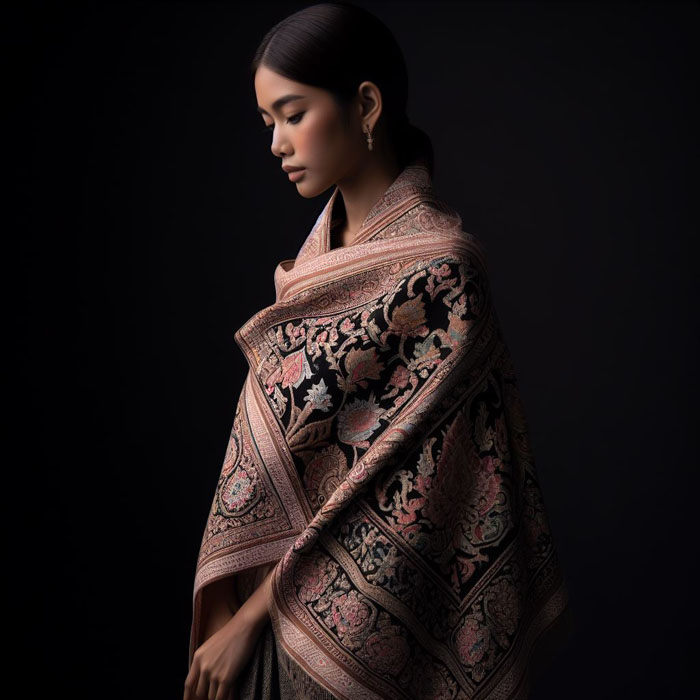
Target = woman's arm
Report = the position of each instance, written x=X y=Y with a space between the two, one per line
x=255 y=609
x=219 y=604
x=226 y=651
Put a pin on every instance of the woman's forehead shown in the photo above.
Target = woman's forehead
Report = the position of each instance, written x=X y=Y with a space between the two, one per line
x=271 y=86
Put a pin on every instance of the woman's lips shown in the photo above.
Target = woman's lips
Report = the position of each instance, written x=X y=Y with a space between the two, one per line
x=297 y=174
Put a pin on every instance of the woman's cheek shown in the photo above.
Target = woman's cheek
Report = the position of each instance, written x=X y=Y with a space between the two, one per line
x=305 y=146
x=318 y=140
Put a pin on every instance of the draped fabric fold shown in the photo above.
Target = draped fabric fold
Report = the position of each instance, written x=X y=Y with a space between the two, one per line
x=380 y=462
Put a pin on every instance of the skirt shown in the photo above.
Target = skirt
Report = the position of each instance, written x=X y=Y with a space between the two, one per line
x=271 y=674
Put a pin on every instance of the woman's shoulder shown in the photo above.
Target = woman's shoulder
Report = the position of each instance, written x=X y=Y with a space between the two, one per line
x=437 y=218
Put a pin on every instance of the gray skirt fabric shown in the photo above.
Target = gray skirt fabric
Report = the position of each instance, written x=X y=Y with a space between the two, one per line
x=271 y=674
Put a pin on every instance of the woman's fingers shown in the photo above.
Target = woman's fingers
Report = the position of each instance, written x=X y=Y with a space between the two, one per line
x=213 y=687
x=202 y=690
x=191 y=683
x=224 y=691
x=203 y=687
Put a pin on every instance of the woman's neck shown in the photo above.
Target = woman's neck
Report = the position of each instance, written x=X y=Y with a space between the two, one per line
x=357 y=196
x=340 y=235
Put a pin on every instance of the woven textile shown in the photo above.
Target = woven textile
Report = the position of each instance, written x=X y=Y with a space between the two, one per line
x=380 y=462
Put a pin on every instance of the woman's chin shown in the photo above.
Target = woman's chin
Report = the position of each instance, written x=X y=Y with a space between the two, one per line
x=307 y=189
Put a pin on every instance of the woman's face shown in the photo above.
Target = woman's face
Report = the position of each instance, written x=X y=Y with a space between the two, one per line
x=308 y=131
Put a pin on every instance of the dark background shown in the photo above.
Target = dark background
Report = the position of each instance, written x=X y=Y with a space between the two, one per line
x=147 y=215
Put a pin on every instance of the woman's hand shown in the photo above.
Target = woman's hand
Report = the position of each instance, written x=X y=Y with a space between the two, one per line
x=219 y=660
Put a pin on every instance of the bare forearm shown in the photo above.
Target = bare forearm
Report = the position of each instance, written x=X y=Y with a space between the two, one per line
x=219 y=604
x=221 y=595
x=255 y=609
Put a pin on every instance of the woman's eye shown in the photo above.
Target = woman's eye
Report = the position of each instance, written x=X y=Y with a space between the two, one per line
x=294 y=119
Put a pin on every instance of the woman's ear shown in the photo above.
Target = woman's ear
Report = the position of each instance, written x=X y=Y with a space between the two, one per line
x=370 y=103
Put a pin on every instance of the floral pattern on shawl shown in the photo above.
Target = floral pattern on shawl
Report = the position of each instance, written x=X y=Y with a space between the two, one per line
x=348 y=374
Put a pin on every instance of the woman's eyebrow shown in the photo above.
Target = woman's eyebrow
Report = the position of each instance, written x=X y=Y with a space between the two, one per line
x=280 y=102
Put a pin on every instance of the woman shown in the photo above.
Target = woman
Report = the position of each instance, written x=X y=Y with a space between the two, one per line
x=378 y=503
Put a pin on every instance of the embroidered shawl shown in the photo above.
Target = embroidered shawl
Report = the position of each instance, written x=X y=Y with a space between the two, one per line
x=380 y=462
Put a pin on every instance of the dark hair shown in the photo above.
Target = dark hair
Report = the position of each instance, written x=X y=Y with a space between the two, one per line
x=337 y=45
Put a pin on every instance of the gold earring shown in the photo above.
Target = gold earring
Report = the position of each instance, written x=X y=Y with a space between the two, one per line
x=370 y=140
